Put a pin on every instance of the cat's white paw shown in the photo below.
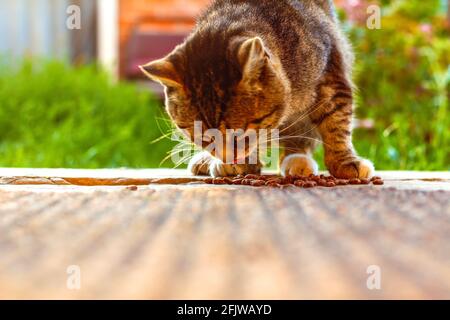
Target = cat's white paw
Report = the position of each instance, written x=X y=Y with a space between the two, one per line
x=299 y=165
x=353 y=168
x=200 y=163
x=204 y=163
x=366 y=169
x=220 y=169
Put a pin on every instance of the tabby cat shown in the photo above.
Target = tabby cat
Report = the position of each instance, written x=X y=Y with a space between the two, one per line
x=253 y=64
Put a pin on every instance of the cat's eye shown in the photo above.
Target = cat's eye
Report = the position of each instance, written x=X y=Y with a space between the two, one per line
x=263 y=118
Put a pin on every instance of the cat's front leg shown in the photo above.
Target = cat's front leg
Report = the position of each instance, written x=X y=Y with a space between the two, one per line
x=334 y=122
x=299 y=164
x=204 y=163
x=297 y=159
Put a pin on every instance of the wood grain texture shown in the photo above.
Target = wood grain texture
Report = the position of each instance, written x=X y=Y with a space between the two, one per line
x=196 y=241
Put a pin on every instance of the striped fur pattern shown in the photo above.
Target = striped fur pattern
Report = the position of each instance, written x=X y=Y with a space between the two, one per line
x=253 y=64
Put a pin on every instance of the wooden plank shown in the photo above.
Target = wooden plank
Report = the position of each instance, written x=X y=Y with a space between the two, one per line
x=124 y=177
x=224 y=242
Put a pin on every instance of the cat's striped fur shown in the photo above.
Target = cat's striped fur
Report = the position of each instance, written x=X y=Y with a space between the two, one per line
x=267 y=64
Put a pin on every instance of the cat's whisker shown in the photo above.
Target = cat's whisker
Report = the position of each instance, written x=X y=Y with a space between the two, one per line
x=168 y=122
x=171 y=129
x=180 y=150
x=164 y=120
x=164 y=136
x=314 y=108
x=296 y=137
x=183 y=160
x=177 y=151
x=165 y=159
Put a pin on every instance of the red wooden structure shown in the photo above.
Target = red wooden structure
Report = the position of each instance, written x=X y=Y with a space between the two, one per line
x=150 y=29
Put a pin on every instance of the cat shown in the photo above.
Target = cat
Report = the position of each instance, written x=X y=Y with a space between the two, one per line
x=254 y=64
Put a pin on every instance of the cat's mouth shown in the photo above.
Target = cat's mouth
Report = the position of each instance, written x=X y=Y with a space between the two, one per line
x=236 y=155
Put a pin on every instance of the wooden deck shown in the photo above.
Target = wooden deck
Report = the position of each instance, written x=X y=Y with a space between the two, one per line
x=176 y=241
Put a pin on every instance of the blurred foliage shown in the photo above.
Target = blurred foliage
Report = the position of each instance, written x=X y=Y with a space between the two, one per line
x=54 y=115
x=403 y=76
x=60 y=116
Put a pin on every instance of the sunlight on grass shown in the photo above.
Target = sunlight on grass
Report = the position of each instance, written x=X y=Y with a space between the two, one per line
x=53 y=115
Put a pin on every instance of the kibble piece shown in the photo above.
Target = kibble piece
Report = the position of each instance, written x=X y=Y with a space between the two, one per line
x=132 y=188
x=228 y=180
x=287 y=180
x=273 y=185
x=258 y=183
x=299 y=183
x=342 y=182
x=219 y=181
x=309 y=184
x=237 y=181
x=268 y=177
x=275 y=180
x=378 y=182
x=365 y=181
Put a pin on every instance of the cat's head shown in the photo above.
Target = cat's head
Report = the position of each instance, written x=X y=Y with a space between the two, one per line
x=224 y=84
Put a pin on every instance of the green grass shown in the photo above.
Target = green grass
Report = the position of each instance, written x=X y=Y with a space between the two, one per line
x=403 y=75
x=53 y=115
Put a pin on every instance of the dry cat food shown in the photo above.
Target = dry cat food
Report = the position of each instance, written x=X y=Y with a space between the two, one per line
x=294 y=181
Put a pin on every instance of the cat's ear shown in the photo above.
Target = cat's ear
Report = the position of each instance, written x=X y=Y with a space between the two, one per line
x=162 y=71
x=253 y=57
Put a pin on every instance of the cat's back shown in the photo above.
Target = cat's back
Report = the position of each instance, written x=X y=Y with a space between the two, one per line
x=258 y=9
x=300 y=32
